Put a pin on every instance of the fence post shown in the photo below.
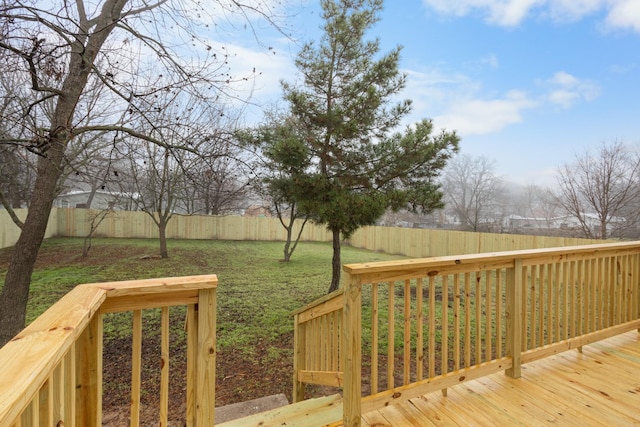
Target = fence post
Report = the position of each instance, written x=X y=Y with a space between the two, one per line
x=352 y=354
x=515 y=317
x=299 y=349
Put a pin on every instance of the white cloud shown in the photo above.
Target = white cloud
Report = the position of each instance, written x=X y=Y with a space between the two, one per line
x=565 y=89
x=618 y=13
x=573 y=10
x=482 y=116
x=432 y=91
x=501 y=12
x=490 y=60
x=625 y=14
x=457 y=102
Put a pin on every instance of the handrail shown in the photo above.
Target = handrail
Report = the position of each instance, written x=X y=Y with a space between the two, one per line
x=317 y=344
x=52 y=371
x=443 y=320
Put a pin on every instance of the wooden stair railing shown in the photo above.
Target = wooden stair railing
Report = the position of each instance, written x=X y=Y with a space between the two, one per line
x=317 y=344
x=51 y=372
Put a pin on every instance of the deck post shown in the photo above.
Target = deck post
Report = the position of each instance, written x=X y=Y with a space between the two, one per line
x=206 y=358
x=515 y=317
x=352 y=354
x=88 y=362
x=299 y=347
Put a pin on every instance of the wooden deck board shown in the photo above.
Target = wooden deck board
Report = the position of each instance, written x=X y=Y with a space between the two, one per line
x=600 y=386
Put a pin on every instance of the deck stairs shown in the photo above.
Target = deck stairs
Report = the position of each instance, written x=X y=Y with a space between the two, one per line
x=320 y=411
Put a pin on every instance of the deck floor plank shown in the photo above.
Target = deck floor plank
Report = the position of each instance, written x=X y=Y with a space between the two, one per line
x=566 y=416
x=520 y=405
x=375 y=419
x=602 y=390
x=600 y=386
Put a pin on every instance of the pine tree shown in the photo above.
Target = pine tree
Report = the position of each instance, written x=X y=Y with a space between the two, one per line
x=345 y=110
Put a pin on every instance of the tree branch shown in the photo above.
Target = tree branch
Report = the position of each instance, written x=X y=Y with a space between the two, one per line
x=10 y=211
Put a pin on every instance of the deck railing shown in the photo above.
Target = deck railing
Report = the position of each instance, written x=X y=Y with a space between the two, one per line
x=51 y=373
x=411 y=327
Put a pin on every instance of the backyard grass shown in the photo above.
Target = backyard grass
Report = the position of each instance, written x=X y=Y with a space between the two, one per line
x=256 y=296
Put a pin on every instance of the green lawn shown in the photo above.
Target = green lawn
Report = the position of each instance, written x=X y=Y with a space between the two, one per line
x=256 y=293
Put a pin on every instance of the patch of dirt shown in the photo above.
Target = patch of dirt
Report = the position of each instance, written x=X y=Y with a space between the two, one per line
x=239 y=377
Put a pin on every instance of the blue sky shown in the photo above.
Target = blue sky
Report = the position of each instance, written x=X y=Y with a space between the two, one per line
x=527 y=83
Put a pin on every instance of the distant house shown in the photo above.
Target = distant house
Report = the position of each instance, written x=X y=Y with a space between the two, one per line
x=257 y=210
x=517 y=221
x=101 y=200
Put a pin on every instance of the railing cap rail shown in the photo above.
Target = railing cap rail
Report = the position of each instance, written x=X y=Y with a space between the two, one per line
x=152 y=286
x=433 y=263
x=319 y=301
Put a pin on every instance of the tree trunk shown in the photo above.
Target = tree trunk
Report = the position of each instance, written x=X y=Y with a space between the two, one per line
x=13 y=299
x=287 y=244
x=84 y=49
x=335 y=263
x=162 y=229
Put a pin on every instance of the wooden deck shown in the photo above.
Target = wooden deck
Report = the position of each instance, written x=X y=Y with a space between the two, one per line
x=600 y=386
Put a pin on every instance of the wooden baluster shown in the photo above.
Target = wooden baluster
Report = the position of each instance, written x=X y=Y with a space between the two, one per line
x=444 y=307
x=499 y=314
x=419 y=330
x=164 y=366
x=467 y=320
x=456 y=322
x=299 y=346
x=478 y=319
x=136 y=368
x=407 y=333
x=391 y=323
x=432 y=327
x=514 y=318
x=374 y=338
x=191 y=326
x=488 y=319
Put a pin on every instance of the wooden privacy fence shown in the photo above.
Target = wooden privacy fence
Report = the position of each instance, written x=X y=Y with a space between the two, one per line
x=412 y=242
x=52 y=371
x=411 y=327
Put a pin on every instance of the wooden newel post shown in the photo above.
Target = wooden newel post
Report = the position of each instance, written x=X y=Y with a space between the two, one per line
x=352 y=351
x=88 y=363
x=514 y=318
x=206 y=358
x=299 y=348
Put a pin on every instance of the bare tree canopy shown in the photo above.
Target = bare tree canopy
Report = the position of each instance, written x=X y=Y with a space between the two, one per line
x=472 y=189
x=601 y=189
x=131 y=52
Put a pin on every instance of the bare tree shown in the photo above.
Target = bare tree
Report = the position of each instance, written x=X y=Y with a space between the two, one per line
x=137 y=49
x=601 y=188
x=156 y=177
x=217 y=181
x=17 y=164
x=471 y=190
x=95 y=219
x=281 y=159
